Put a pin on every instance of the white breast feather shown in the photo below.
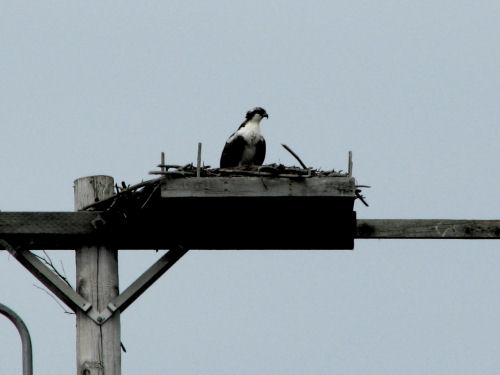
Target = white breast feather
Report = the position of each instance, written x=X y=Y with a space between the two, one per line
x=251 y=133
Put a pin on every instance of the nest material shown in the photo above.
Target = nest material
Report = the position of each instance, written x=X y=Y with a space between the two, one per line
x=269 y=170
x=141 y=195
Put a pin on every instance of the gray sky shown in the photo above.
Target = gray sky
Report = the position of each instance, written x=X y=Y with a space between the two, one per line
x=410 y=87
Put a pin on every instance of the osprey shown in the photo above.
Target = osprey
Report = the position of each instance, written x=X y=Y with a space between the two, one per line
x=246 y=146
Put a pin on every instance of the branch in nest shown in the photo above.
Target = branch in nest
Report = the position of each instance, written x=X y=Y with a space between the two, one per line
x=294 y=155
x=360 y=197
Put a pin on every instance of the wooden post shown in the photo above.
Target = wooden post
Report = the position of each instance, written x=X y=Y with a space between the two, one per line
x=198 y=161
x=97 y=346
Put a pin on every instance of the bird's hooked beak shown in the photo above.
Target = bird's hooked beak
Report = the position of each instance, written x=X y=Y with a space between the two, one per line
x=265 y=115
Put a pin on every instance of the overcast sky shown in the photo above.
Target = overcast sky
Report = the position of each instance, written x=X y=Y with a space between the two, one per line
x=412 y=88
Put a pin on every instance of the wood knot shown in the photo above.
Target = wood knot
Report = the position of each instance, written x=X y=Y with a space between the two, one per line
x=88 y=367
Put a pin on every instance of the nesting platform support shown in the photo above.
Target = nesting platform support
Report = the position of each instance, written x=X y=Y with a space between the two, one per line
x=259 y=212
x=97 y=345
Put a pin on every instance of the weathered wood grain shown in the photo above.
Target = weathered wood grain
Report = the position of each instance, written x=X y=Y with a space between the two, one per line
x=428 y=229
x=50 y=223
x=258 y=187
x=97 y=346
x=67 y=230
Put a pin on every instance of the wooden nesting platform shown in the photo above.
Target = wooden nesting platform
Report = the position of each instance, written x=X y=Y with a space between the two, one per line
x=220 y=210
x=268 y=212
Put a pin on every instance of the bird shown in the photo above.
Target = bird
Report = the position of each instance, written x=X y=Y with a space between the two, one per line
x=246 y=146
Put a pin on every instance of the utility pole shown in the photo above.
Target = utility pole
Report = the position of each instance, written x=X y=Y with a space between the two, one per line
x=97 y=345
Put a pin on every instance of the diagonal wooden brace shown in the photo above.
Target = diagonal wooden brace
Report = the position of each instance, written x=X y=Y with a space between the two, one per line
x=143 y=282
x=48 y=278
x=75 y=301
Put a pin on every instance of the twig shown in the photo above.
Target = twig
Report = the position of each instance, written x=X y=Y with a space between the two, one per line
x=128 y=189
x=149 y=197
x=294 y=155
x=63 y=270
x=54 y=298
x=56 y=271
x=50 y=264
x=357 y=192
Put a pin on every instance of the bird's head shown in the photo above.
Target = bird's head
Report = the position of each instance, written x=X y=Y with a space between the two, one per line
x=256 y=114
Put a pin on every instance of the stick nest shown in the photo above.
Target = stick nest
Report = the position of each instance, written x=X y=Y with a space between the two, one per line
x=268 y=170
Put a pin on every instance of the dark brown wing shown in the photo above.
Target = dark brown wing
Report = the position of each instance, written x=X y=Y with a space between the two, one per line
x=260 y=152
x=233 y=150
